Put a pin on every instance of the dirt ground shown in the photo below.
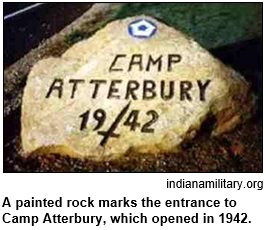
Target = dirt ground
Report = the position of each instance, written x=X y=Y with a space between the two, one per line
x=237 y=151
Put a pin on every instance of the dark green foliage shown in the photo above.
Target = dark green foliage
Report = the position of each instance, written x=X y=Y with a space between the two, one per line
x=75 y=36
x=211 y=24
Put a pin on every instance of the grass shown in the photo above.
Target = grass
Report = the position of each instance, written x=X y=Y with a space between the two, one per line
x=75 y=36
x=212 y=24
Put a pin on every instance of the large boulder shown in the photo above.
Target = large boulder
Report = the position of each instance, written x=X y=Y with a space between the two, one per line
x=135 y=86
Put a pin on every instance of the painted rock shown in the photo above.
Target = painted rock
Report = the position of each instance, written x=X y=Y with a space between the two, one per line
x=135 y=86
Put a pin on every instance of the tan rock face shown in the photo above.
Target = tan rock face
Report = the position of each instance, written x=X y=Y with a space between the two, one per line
x=137 y=85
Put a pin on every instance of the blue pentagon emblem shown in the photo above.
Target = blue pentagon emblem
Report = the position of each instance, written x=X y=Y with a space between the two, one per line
x=142 y=28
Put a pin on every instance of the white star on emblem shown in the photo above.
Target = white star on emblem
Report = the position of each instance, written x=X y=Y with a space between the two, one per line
x=142 y=29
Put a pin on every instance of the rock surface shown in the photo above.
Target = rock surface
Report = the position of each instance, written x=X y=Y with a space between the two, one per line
x=135 y=86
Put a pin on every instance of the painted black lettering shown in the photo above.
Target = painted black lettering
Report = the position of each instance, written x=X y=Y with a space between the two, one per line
x=54 y=87
x=111 y=131
x=147 y=127
x=113 y=90
x=202 y=88
x=75 y=85
x=100 y=116
x=149 y=90
x=170 y=93
x=132 y=120
x=136 y=60
x=112 y=69
x=151 y=61
x=84 y=121
x=97 y=86
x=173 y=59
x=132 y=86
x=185 y=86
